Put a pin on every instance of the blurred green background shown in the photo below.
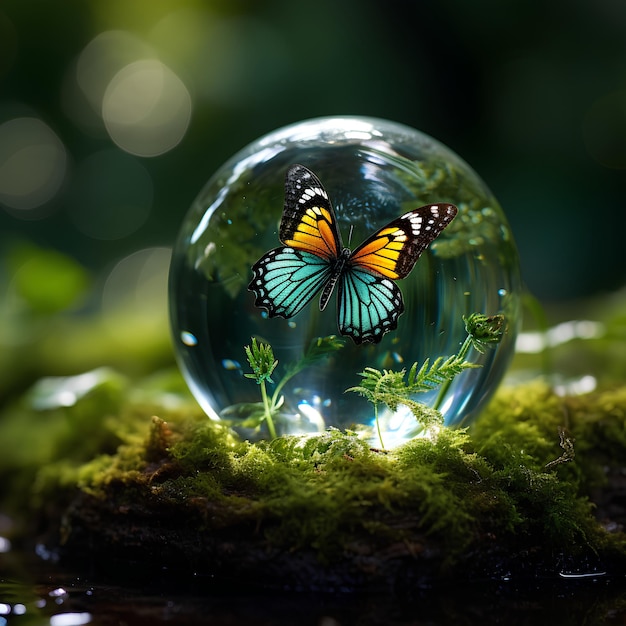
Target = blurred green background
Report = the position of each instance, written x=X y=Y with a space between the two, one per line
x=114 y=113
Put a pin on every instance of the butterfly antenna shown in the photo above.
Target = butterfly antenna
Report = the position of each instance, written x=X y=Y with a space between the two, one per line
x=350 y=235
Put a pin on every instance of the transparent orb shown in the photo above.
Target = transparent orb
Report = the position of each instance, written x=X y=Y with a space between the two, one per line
x=374 y=171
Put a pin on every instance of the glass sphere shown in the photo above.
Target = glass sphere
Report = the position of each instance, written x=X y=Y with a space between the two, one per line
x=373 y=171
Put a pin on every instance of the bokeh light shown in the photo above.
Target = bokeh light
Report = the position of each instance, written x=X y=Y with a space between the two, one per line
x=44 y=281
x=146 y=108
x=33 y=164
x=180 y=85
x=137 y=283
x=87 y=80
x=118 y=82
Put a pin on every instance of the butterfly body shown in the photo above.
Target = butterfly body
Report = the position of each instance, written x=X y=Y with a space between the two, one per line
x=313 y=258
x=337 y=268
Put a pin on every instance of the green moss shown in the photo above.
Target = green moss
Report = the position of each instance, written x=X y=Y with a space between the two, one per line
x=321 y=492
x=332 y=493
x=55 y=436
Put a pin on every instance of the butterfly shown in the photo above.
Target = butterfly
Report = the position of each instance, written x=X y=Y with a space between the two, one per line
x=313 y=258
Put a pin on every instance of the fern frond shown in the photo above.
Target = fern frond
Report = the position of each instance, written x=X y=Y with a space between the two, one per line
x=442 y=369
x=394 y=388
x=319 y=348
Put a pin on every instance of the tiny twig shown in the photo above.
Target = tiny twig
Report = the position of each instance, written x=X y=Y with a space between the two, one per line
x=567 y=443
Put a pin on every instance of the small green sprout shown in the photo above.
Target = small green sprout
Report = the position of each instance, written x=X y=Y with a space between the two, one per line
x=261 y=359
x=484 y=331
x=263 y=363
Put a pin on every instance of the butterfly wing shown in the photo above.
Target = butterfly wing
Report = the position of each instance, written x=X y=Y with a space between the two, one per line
x=394 y=249
x=285 y=279
x=370 y=303
x=309 y=221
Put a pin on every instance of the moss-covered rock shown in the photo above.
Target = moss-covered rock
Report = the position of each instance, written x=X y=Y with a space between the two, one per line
x=328 y=512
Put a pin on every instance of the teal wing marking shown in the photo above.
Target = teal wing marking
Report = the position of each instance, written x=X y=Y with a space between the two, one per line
x=285 y=280
x=368 y=305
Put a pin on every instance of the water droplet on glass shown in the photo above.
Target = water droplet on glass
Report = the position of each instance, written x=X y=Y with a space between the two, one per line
x=398 y=358
x=373 y=171
x=58 y=593
x=188 y=338
x=231 y=365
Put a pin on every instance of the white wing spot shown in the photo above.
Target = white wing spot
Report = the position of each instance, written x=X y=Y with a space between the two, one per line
x=412 y=218
x=310 y=193
x=416 y=223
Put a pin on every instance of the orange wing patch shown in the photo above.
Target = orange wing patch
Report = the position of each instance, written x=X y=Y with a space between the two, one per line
x=314 y=233
x=382 y=253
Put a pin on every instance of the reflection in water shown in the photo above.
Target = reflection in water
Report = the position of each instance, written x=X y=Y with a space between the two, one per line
x=44 y=595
